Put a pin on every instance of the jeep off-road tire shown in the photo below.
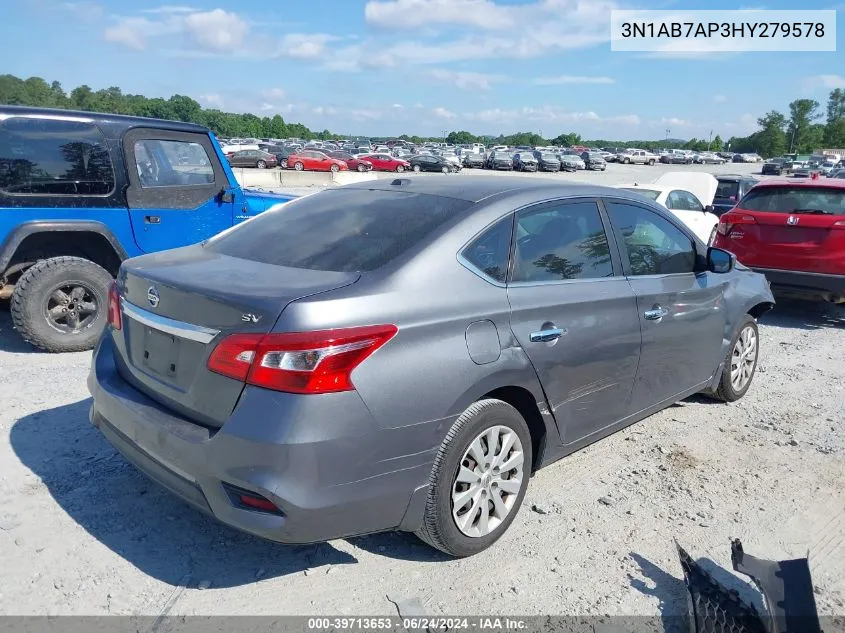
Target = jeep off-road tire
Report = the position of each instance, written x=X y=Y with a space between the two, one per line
x=738 y=353
x=440 y=528
x=33 y=294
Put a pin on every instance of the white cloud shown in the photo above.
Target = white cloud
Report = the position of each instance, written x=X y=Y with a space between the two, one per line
x=273 y=93
x=213 y=100
x=548 y=114
x=465 y=80
x=675 y=121
x=305 y=45
x=134 y=32
x=169 y=8
x=720 y=98
x=217 y=30
x=571 y=79
x=443 y=113
x=398 y=105
x=413 y=14
x=830 y=82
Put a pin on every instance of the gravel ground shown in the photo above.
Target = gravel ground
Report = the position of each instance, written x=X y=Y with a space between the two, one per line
x=81 y=532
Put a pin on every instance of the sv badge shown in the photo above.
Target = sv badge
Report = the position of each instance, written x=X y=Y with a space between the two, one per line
x=250 y=318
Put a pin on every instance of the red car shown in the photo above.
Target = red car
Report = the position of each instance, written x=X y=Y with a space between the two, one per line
x=386 y=162
x=312 y=160
x=354 y=163
x=794 y=233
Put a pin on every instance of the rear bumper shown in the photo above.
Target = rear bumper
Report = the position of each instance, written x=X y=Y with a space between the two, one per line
x=319 y=460
x=830 y=287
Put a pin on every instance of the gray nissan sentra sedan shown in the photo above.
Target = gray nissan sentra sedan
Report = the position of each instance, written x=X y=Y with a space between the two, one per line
x=404 y=354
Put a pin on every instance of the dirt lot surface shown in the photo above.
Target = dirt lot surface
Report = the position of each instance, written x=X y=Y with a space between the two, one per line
x=81 y=532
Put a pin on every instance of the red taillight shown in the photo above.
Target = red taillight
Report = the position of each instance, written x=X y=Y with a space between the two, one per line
x=731 y=219
x=259 y=503
x=299 y=362
x=115 y=319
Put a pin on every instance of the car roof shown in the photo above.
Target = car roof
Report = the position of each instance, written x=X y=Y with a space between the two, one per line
x=831 y=183
x=121 y=120
x=478 y=188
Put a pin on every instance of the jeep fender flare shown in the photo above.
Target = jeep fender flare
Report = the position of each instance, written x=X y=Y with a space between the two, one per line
x=22 y=231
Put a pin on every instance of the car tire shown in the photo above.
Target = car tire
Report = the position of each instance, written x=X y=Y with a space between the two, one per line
x=440 y=528
x=651 y=163
x=261 y=164
x=399 y=169
x=627 y=161
x=298 y=166
x=728 y=390
x=445 y=170
x=417 y=168
x=361 y=168
x=34 y=293
x=334 y=169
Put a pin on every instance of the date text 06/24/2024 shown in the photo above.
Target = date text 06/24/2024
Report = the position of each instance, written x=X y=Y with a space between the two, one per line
x=723 y=31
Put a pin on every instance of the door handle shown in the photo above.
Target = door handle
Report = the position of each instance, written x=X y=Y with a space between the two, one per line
x=152 y=219
x=547 y=336
x=656 y=313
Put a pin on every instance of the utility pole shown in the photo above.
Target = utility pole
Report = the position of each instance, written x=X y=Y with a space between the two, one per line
x=444 y=137
x=710 y=142
x=792 y=142
x=667 y=135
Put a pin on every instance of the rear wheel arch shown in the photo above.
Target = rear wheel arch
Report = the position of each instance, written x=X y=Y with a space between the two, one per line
x=525 y=403
x=34 y=241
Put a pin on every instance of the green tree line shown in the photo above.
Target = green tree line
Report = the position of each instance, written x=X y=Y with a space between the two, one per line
x=805 y=128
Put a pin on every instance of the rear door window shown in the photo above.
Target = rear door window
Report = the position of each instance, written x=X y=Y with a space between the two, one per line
x=54 y=157
x=344 y=231
x=561 y=241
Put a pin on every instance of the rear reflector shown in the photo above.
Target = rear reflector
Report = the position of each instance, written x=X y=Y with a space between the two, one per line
x=114 y=317
x=259 y=503
x=299 y=362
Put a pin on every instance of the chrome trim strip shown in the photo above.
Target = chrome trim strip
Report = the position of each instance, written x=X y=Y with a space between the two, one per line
x=181 y=329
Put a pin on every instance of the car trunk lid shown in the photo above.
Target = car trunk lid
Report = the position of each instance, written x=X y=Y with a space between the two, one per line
x=177 y=305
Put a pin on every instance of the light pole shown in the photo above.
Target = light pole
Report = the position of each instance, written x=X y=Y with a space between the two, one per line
x=792 y=141
x=710 y=142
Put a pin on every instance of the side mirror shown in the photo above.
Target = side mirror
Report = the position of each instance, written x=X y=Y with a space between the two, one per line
x=226 y=196
x=720 y=261
x=709 y=209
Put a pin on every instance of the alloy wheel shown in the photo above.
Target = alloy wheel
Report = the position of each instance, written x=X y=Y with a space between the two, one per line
x=743 y=358
x=488 y=481
x=71 y=307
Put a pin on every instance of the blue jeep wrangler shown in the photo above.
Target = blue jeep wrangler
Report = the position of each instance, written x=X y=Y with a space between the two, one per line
x=80 y=192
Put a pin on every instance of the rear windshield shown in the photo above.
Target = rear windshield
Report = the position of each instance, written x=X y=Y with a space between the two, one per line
x=651 y=194
x=795 y=199
x=343 y=231
x=727 y=188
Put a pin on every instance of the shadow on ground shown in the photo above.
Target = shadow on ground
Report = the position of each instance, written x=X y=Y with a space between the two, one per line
x=151 y=529
x=805 y=315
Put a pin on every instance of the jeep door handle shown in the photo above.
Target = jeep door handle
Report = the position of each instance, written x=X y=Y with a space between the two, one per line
x=152 y=219
x=656 y=313
x=547 y=336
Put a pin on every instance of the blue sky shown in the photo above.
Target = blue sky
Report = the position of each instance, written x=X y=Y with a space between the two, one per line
x=386 y=67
